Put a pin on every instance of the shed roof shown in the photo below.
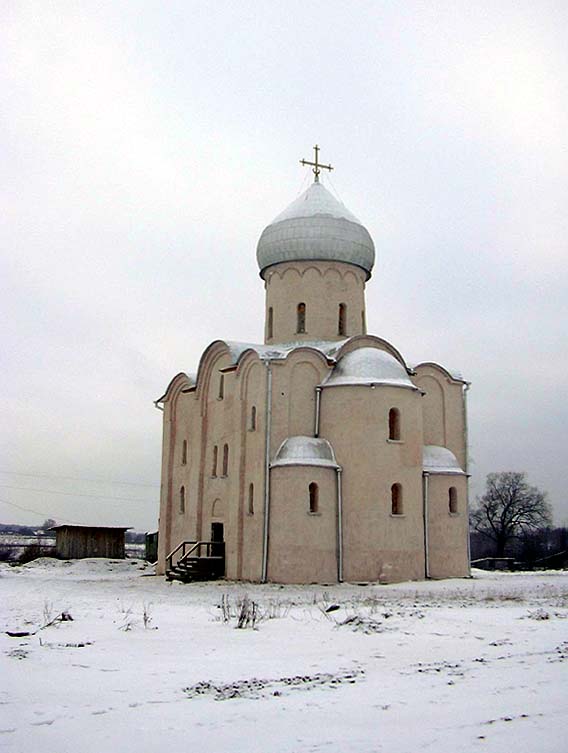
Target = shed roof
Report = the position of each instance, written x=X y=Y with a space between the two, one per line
x=98 y=528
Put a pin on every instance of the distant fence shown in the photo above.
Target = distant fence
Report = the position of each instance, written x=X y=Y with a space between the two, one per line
x=495 y=563
x=557 y=561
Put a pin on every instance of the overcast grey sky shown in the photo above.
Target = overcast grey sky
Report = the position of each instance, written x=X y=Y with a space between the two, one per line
x=145 y=145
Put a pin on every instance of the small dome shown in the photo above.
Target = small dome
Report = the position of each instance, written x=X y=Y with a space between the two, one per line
x=316 y=227
x=437 y=459
x=369 y=366
x=305 y=451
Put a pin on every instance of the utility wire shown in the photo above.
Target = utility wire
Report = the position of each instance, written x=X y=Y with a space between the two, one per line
x=75 y=494
x=35 y=512
x=79 y=478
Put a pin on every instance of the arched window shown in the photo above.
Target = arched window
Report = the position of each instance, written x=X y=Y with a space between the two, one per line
x=253 y=418
x=182 y=500
x=184 y=452
x=341 y=319
x=221 y=387
x=270 y=324
x=301 y=318
x=396 y=499
x=251 y=500
x=225 y=460
x=214 y=465
x=314 y=494
x=394 y=423
x=453 y=500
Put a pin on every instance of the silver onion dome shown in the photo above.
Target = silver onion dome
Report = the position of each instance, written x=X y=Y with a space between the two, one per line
x=316 y=227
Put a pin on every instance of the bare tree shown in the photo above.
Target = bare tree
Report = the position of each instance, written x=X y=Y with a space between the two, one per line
x=509 y=508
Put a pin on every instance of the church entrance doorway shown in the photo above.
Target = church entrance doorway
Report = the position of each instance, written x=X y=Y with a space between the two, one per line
x=217 y=537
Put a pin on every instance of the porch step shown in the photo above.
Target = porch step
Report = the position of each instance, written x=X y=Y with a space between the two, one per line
x=197 y=568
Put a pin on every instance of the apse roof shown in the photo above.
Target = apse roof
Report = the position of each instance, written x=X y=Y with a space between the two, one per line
x=316 y=227
x=437 y=459
x=305 y=451
x=369 y=366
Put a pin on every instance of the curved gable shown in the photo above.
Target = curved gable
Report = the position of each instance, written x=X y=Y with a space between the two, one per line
x=371 y=341
x=452 y=376
x=179 y=383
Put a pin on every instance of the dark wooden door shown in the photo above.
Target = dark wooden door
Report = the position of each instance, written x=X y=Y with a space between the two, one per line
x=217 y=536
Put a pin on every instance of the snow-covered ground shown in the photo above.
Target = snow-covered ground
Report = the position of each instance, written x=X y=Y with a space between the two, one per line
x=462 y=665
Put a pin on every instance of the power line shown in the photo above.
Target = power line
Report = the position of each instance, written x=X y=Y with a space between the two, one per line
x=35 y=512
x=75 y=494
x=79 y=478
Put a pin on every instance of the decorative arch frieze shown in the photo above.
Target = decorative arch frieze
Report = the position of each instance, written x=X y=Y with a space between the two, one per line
x=323 y=268
x=356 y=279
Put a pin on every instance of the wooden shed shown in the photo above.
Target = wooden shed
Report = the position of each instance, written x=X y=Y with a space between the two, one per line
x=77 y=542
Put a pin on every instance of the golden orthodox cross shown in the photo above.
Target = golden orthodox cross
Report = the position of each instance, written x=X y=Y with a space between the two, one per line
x=316 y=165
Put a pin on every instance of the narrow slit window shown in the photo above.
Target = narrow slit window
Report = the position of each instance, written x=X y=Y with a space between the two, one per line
x=251 y=500
x=396 y=499
x=184 y=452
x=182 y=500
x=453 y=500
x=394 y=423
x=314 y=497
x=341 y=319
x=363 y=323
x=221 y=387
x=226 y=460
x=270 y=324
x=253 y=418
x=301 y=318
x=214 y=465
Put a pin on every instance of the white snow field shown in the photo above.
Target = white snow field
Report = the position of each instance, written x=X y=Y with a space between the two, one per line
x=445 y=666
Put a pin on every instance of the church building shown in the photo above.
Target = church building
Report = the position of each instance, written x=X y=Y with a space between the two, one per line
x=320 y=455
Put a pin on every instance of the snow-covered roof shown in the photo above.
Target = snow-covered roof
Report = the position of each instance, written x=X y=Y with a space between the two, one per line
x=453 y=373
x=329 y=349
x=369 y=366
x=280 y=351
x=316 y=227
x=97 y=527
x=305 y=451
x=437 y=459
x=316 y=200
